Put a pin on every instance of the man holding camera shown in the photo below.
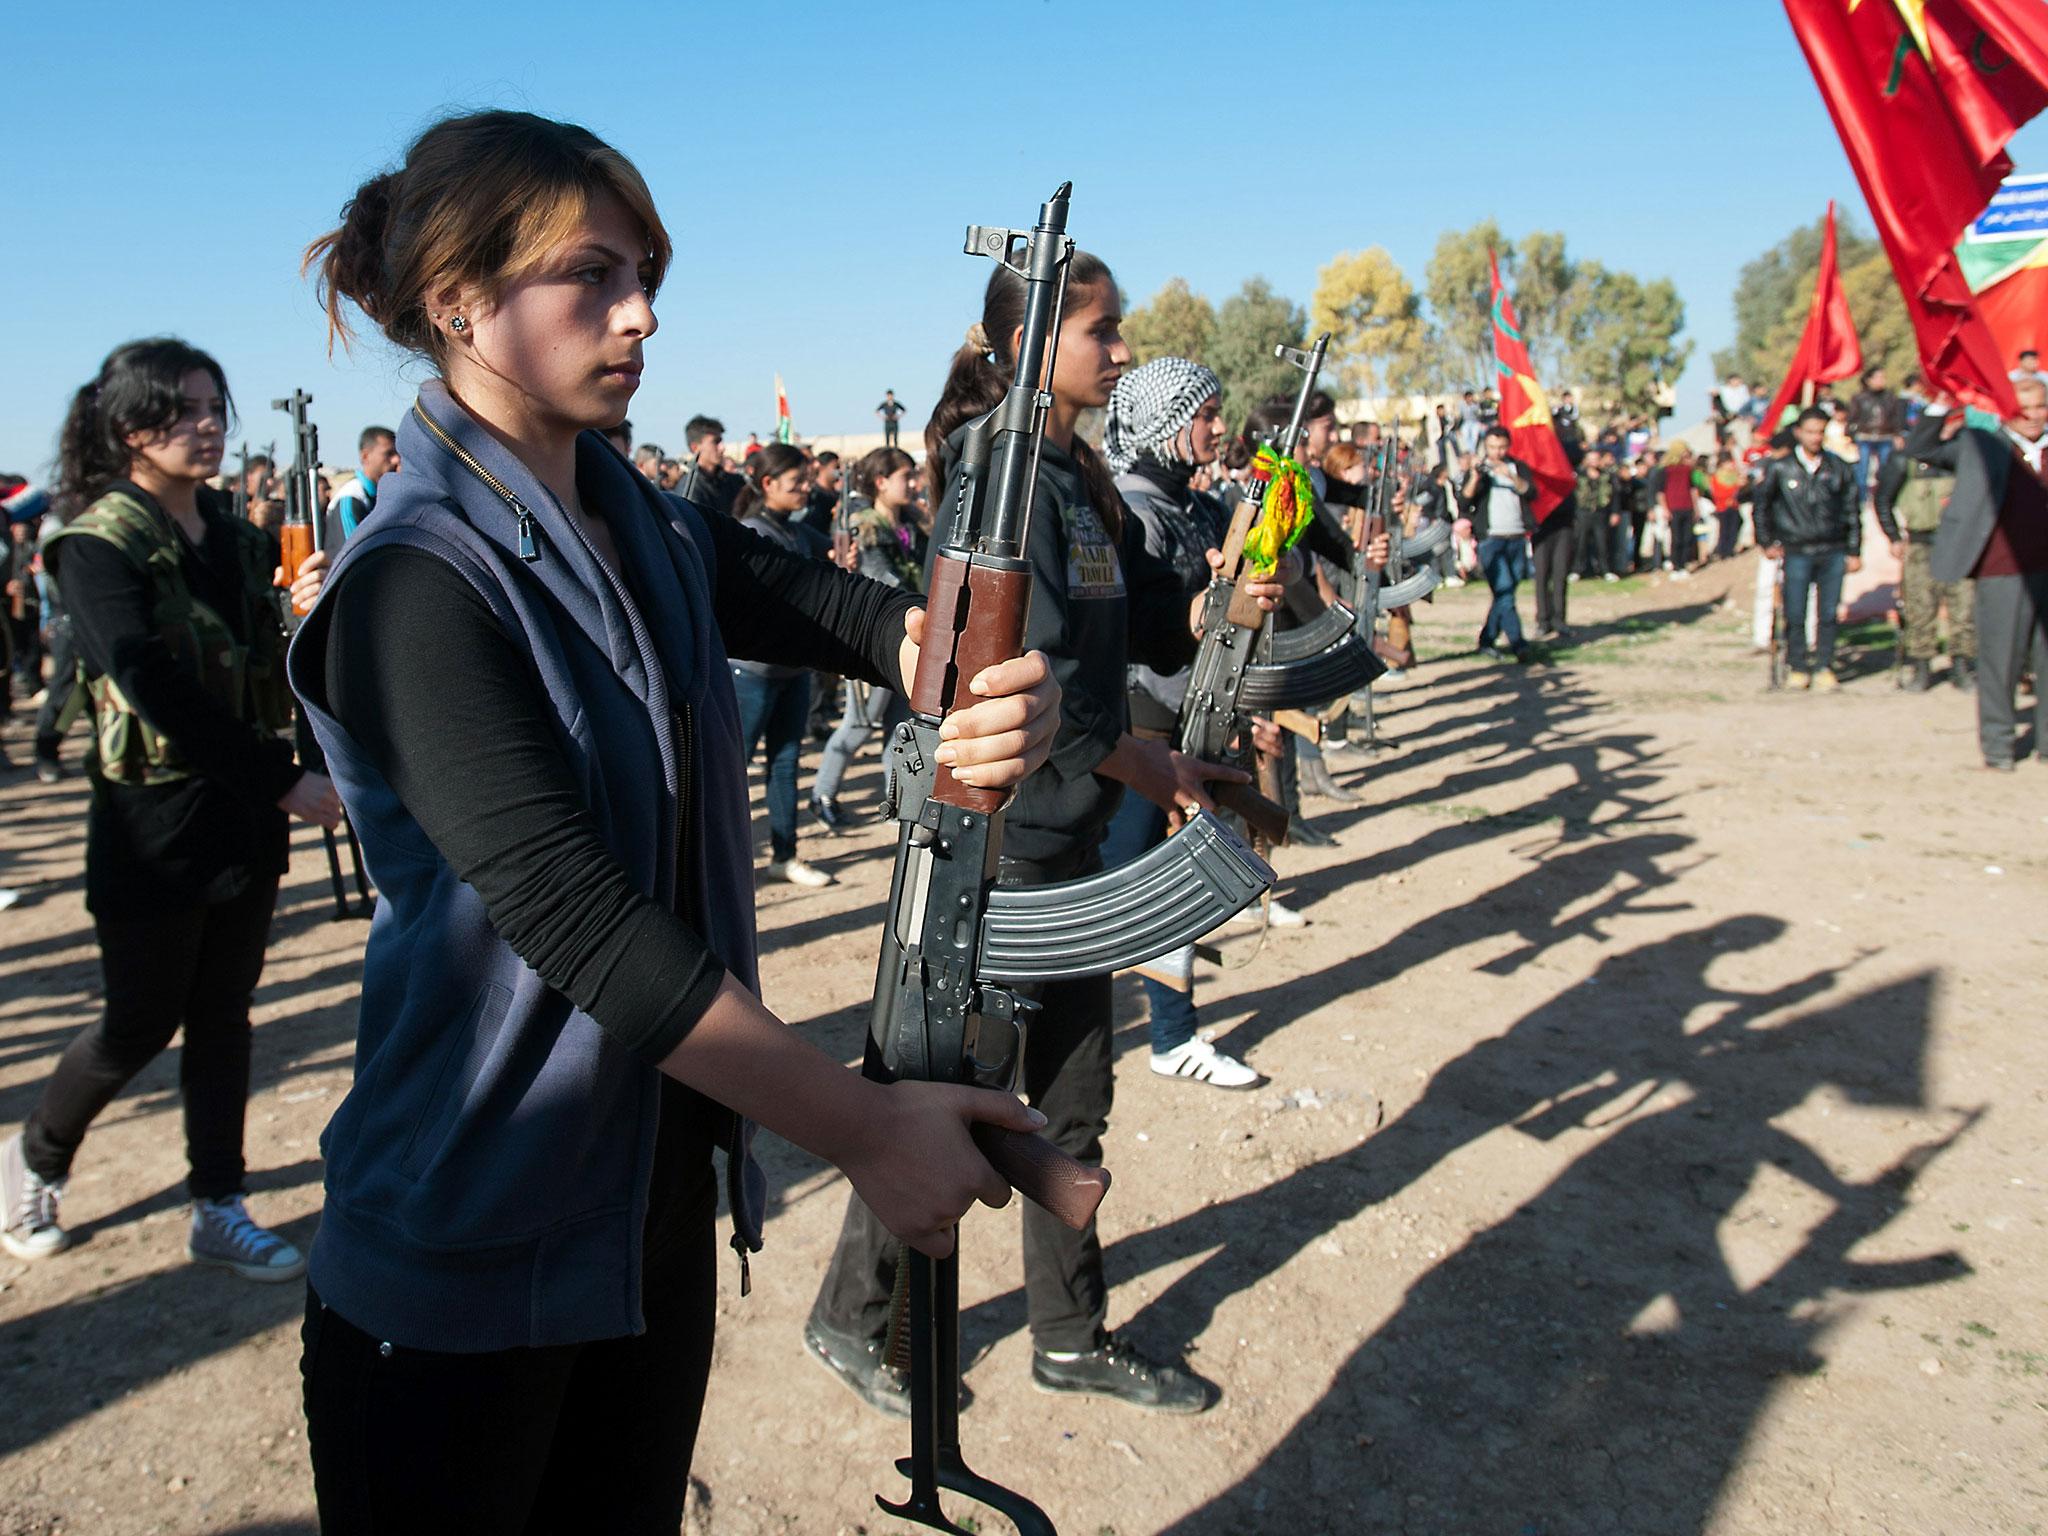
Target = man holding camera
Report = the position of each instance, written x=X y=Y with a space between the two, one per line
x=1498 y=489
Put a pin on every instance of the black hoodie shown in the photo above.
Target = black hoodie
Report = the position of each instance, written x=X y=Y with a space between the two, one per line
x=1098 y=601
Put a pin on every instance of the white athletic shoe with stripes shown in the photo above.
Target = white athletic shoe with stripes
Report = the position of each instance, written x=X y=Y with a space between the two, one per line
x=1201 y=1062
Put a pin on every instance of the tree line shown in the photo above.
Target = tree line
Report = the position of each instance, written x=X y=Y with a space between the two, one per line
x=1609 y=334
x=1775 y=290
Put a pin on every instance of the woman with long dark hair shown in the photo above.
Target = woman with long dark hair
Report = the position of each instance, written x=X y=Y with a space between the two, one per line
x=775 y=698
x=882 y=527
x=520 y=676
x=1098 y=599
x=176 y=620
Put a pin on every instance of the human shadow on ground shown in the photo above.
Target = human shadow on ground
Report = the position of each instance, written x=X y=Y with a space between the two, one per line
x=1591 y=1362
x=136 y=1331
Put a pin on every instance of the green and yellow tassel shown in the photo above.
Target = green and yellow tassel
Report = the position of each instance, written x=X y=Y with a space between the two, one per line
x=1284 y=513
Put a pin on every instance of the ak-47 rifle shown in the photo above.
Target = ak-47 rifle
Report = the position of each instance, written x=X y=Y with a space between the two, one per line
x=1243 y=667
x=242 y=485
x=304 y=535
x=1382 y=591
x=300 y=536
x=957 y=950
x=842 y=517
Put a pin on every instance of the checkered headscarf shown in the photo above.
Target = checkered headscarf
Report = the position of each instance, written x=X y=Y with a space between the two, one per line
x=1151 y=407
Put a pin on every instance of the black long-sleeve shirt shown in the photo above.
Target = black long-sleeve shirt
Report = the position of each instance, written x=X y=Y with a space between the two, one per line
x=199 y=838
x=447 y=708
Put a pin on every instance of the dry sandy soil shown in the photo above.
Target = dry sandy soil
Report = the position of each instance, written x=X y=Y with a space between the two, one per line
x=1654 y=1143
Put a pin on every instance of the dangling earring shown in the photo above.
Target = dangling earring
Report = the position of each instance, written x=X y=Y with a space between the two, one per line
x=458 y=325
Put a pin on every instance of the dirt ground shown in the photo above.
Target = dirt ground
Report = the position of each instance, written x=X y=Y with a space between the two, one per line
x=1654 y=1142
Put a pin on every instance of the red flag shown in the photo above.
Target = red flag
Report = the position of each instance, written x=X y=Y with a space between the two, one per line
x=1925 y=94
x=1828 y=349
x=1524 y=408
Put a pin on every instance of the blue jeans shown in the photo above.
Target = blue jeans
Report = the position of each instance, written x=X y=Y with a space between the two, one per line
x=1622 y=554
x=1819 y=572
x=775 y=708
x=1872 y=453
x=1506 y=564
x=1137 y=826
x=862 y=714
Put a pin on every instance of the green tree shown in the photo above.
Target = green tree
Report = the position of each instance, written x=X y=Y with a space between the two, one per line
x=1553 y=299
x=1249 y=324
x=1177 y=323
x=1460 y=295
x=1882 y=324
x=1629 y=338
x=1374 y=319
x=1772 y=296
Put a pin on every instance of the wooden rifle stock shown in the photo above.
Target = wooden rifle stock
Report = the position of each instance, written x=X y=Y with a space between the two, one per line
x=1259 y=806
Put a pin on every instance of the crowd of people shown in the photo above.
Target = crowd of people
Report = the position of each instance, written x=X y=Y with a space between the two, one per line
x=538 y=670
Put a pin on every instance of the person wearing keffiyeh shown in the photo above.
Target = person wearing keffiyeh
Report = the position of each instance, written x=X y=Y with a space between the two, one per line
x=1164 y=422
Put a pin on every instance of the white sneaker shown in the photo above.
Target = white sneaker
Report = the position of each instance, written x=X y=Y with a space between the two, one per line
x=1203 y=1063
x=224 y=1236
x=1454 y=581
x=1278 y=915
x=797 y=872
x=28 y=1207
x=1610 y=576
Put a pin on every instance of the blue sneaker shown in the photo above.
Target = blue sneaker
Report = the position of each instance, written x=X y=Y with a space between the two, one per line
x=224 y=1236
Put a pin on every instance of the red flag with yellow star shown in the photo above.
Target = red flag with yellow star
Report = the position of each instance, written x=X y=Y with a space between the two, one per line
x=1524 y=408
x=1926 y=94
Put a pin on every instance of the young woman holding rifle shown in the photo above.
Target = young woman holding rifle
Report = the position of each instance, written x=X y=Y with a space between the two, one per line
x=520 y=678
x=1098 y=598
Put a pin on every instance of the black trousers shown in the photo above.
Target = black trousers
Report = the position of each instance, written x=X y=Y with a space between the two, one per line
x=26 y=634
x=193 y=966
x=1685 y=544
x=1067 y=1077
x=1589 y=543
x=1551 y=556
x=569 y=1438
x=2012 y=635
x=63 y=683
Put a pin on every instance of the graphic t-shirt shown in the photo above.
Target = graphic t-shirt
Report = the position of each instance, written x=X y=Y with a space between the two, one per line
x=1093 y=570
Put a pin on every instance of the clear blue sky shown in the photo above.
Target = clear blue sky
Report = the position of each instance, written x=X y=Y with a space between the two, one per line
x=163 y=166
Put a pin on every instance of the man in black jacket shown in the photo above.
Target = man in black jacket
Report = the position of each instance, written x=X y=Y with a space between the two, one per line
x=709 y=483
x=1809 y=513
x=1876 y=417
x=1995 y=530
